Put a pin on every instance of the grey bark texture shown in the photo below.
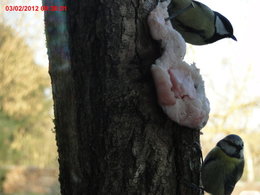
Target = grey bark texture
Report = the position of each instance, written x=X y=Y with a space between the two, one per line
x=112 y=136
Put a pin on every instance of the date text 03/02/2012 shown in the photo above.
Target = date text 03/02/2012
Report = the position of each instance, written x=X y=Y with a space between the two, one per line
x=20 y=8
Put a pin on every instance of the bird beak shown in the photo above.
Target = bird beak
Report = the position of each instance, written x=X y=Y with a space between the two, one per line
x=233 y=37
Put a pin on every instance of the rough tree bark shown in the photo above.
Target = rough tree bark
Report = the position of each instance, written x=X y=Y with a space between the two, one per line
x=112 y=136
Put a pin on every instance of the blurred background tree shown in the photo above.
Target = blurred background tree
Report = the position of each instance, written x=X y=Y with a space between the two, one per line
x=25 y=105
x=28 y=152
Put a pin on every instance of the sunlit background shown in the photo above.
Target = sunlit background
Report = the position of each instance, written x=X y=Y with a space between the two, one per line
x=27 y=148
x=28 y=153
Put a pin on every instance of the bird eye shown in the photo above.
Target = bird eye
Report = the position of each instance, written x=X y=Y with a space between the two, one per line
x=239 y=147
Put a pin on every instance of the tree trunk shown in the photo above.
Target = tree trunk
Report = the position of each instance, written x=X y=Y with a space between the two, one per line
x=112 y=136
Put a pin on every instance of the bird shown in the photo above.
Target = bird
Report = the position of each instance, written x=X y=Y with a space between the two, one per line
x=223 y=166
x=198 y=24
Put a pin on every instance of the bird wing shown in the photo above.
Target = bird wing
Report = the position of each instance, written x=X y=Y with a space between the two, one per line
x=211 y=156
x=189 y=29
x=233 y=177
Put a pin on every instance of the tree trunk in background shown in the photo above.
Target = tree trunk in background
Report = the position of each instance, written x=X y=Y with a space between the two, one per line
x=112 y=136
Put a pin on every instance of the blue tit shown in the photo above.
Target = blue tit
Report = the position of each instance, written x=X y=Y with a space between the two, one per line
x=223 y=166
x=199 y=25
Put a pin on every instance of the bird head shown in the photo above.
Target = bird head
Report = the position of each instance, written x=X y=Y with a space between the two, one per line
x=223 y=27
x=232 y=145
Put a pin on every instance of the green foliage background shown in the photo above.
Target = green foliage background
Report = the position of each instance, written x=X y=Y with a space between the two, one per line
x=26 y=136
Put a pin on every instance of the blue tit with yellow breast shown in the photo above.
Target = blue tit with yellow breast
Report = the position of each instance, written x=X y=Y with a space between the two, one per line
x=223 y=166
x=198 y=24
